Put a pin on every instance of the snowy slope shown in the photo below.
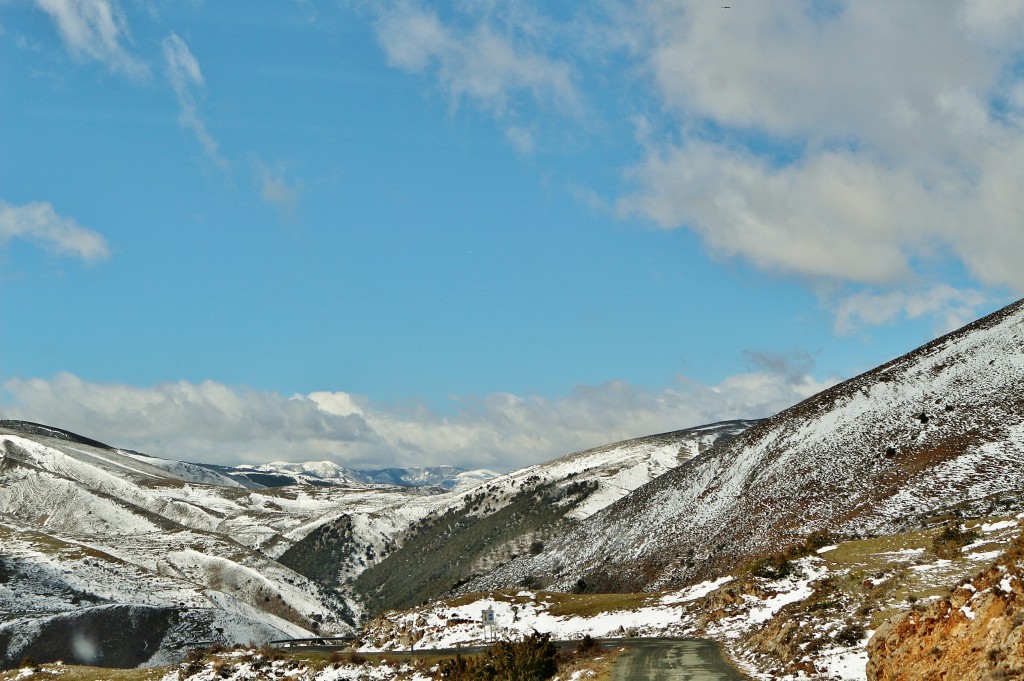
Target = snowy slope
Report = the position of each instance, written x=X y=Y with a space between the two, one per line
x=84 y=525
x=940 y=426
x=513 y=514
x=86 y=528
x=616 y=469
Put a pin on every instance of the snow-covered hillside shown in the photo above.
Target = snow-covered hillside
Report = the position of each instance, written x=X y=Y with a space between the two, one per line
x=616 y=469
x=937 y=427
x=516 y=513
x=92 y=531
x=84 y=525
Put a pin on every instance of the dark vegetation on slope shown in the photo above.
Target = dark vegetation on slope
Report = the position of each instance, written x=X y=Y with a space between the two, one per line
x=445 y=550
x=326 y=551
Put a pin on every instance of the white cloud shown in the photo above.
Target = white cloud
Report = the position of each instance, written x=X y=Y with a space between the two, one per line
x=40 y=223
x=275 y=188
x=216 y=423
x=491 y=63
x=207 y=421
x=186 y=79
x=835 y=215
x=95 y=29
x=850 y=144
x=952 y=308
x=520 y=138
x=994 y=20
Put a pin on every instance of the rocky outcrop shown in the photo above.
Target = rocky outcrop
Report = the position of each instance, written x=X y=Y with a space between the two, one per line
x=974 y=633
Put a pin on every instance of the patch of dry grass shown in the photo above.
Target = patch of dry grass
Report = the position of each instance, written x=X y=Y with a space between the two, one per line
x=51 y=672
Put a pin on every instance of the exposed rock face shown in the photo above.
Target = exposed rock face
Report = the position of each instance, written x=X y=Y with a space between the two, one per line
x=976 y=632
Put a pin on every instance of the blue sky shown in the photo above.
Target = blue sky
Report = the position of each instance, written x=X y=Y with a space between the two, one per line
x=487 y=233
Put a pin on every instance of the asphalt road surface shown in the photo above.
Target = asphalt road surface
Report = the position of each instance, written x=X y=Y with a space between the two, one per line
x=673 y=660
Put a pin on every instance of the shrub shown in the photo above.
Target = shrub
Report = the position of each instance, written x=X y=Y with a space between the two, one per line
x=818 y=539
x=950 y=542
x=851 y=635
x=269 y=653
x=532 y=659
x=586 y=644
x=772 y=567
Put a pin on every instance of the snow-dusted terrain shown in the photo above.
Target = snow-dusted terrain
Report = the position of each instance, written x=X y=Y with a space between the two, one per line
x=812 y=623
x=937 y=427
x=620 y=467
x=518 y=512
x=86 y=526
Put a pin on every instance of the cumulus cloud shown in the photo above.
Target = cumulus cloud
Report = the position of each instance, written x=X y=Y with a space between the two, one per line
x=487 y=60
x=213 y=422
x=186 y=78
x=205 y=421
x=40 y=223
x=852 y=145
x=95 y=29
x=850 y=141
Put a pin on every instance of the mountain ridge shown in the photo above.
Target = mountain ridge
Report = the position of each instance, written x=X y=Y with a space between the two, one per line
x=871 y=454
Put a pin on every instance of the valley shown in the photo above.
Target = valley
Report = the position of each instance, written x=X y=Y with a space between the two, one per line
x=826 y=541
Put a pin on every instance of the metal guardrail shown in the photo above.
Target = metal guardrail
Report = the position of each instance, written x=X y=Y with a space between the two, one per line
x=309 y=642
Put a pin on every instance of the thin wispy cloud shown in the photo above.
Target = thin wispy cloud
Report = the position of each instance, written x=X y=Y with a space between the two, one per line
x=186 y=78
x=39 y=223
x=95 y=30
x=483 y=61
x=276 y=189
x=951 y=308
x=213 y=422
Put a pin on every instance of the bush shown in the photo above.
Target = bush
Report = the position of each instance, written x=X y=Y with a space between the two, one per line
x=851 y=635
x=818 y=539
x=950 y=542
x=269 y=653
x=532 y=659
x=586 y=644
x=772 y=567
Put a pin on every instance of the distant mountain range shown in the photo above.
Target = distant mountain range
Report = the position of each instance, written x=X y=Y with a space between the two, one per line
x=326 y=473
x=278 y=473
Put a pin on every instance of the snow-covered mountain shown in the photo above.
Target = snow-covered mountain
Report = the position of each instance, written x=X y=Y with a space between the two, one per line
x=515 y=514
x=86 y=529
x=940 y=427
x=282 y=473
x=103 y=538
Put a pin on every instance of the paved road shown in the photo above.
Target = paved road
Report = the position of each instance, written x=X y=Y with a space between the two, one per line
x=668 y=660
